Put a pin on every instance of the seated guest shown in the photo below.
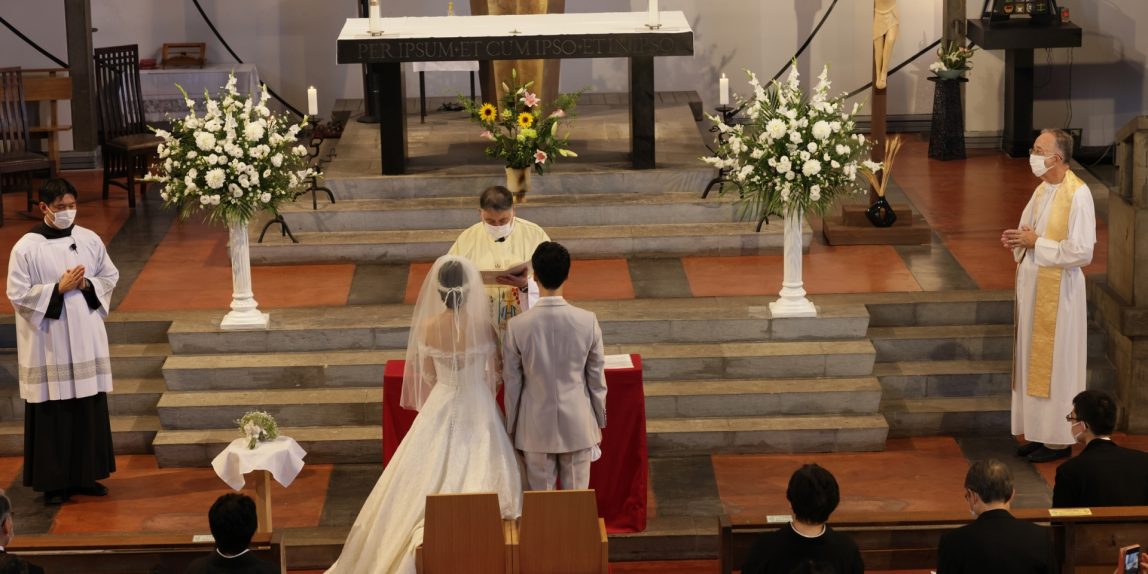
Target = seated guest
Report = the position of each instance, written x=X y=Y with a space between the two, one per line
x=995 y=542
x=1103 y=474
x=10 y=562
x=807 y=544
x=233 y=523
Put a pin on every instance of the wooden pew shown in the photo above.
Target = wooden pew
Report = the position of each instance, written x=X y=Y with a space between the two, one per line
x=129 y=554
x=48 y=86
x=908 y=540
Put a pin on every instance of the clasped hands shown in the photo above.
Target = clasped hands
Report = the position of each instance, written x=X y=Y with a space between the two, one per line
x=518 y=280
x=72 y=279
x=1024 y=237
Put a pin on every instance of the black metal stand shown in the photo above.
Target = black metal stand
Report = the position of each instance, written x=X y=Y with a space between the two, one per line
x=315 y=144
x=947 y=131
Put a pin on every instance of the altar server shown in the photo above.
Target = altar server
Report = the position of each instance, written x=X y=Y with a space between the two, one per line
x=60 y=283
x=502 y=241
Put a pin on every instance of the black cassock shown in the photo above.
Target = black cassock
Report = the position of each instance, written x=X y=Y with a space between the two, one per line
x=67 y=443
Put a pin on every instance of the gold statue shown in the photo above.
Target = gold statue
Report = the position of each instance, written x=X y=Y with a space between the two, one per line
x=886 y=23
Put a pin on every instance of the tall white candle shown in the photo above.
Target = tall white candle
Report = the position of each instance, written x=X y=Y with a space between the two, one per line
x=374 y=23
x=655 y=18
x=723 y=90
x=312 y=101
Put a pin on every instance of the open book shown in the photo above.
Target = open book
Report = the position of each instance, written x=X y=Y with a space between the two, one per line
x=490 y=276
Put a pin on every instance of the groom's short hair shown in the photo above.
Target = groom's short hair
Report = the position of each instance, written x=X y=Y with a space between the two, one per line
x=551 y=264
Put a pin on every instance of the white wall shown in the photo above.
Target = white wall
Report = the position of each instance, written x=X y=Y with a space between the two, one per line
x=292 y=43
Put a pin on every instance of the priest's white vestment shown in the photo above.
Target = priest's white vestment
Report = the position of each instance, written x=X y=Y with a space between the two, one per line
x=488 y=254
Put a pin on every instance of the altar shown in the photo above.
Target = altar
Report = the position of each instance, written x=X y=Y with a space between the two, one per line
x=511 y=37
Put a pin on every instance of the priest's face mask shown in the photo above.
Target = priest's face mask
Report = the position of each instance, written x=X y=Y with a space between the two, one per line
x=61 y=213
x=498 y=223
x=1044 y=155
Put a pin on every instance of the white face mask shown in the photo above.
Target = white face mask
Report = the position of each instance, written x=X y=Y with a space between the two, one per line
x=1036 y=162
x=64 y=218
x=1077 y=436
x=499 y=231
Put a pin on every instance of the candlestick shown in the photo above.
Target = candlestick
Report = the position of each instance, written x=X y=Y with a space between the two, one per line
x=374 y=23
x=723 y=90
x=312 y=101
x=654 y=19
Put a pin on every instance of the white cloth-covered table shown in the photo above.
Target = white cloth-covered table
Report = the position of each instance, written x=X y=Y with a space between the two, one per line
x=510 y=25
x=282 y=457
x=161 y=98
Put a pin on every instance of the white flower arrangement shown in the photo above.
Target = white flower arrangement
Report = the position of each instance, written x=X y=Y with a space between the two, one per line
x=235 y=160
x=793 y=154
x=258 y=426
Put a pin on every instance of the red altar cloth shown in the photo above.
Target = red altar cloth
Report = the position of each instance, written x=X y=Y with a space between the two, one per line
x=619 y=477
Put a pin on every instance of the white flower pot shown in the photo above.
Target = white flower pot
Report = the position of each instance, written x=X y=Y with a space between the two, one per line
x=792 y=301
x=245 y=312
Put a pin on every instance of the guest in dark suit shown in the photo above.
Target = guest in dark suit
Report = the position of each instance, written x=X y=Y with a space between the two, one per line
x=995 y=542
x=807 y=544
x=233 y=523
x=10 y=563
x=1103 y=474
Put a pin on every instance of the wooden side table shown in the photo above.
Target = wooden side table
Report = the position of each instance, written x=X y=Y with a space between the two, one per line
x=281 y=458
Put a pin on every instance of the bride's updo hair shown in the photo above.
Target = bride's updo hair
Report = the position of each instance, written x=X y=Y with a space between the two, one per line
x=451 y=280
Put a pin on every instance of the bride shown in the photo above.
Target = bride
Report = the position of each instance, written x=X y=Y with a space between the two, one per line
x=458 y=442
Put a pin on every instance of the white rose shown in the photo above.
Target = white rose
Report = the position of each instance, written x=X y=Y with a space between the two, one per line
x=821 y=130
x=812 y=147
x=841 y=150
x=192 y=154
x=815 y=193
x=204 y=141
x=757 y=153
x=835 y=164
x=277 y=160
x=804 y=156
x=795 y=137
x=811 y=167
x=300 y=150
x=789 y=176
x=215 y=178
x=213 y=125
x=215 y=200
x=204 y=200
x=265 y=197
x=783 y=164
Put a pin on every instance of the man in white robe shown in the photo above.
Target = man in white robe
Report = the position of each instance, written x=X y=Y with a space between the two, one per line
x=60 y=283
x=501 y=241
x=1053 y=242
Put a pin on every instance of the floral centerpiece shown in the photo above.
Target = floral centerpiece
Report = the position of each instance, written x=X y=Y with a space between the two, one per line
x=257 y=427
x=521 y=132
x=793 y=154
x=952 y=61
x=234 y=161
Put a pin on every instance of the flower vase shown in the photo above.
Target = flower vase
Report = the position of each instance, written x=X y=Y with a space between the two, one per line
x=881 y=214
x=518 y=182
x=792 y=301
x=244 y=312
x=952 y=74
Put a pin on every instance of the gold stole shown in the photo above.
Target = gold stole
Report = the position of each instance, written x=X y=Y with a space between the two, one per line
x=1047 y=300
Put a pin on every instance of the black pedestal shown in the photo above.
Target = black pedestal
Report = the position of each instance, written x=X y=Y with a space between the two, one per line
x=947 y=131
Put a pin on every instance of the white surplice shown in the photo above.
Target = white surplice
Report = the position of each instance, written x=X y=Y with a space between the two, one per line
x=1042 y=419
x=487 y=254
x=65 y=358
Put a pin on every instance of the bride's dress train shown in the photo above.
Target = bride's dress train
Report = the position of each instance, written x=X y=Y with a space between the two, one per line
x=458 y=443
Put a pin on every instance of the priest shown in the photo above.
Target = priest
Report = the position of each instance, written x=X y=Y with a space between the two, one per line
x=502 y=242
x=1053 y=242
x=60 y=282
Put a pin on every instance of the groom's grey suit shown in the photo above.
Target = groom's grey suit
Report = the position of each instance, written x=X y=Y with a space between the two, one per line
x=555 y=391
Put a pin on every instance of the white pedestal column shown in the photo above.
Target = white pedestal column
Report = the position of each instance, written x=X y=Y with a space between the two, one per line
x=245 y=312
x=792 y=301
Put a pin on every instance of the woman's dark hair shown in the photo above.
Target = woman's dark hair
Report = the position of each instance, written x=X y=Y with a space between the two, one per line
x=451 y=277
x=56 y=188
x=813 y=494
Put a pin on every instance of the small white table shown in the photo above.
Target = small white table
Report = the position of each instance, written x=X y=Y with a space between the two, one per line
x=281 y=458
x=423 y=67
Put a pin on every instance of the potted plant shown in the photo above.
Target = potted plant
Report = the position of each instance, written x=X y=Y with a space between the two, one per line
x=793 y=154
x=234 y=161
x=522 y=133
x=952 y=61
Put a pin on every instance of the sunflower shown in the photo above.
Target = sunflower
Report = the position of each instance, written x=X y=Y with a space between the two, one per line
x=525 y=119
x=487 y=113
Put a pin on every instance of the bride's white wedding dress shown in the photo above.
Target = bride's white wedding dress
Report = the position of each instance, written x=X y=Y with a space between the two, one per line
x=457 y=443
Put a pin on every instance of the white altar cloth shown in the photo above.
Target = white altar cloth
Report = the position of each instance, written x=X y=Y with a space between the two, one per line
x=511 y=25
x=282 y=457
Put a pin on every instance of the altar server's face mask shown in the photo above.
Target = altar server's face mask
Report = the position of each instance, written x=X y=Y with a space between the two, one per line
x=498 y=224
x=63 y=211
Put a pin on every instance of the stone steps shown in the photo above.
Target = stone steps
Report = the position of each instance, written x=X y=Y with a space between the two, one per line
x=136 y=328
x=136 y=360
x=943 y=308
x=186 y=410
x=946 y=342
x=941 y=379
x=623 y=322
x=277 y=371
x=324 y=445
x=778 y=360
x=761 y=397
x=775 y=434
x=587 y=242
x=563 y=180
x=957 y=416
x=130 y=435
x=455 y=213
x=129 y=397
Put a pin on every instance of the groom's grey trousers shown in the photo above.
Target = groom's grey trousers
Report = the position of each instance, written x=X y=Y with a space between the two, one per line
x=572 y=467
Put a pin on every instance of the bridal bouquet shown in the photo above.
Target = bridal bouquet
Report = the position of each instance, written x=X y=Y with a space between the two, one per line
x=519 y=129
x=795 y=153
x=258 y=426
x=235 y=160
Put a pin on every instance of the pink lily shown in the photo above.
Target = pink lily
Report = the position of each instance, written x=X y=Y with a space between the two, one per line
x=487 y=135
x=559 y=113
x=530 y=100
x=540 y=156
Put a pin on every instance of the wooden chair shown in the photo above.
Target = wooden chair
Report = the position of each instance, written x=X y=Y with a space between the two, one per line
x=127 y=145
x=15 y=157
x=465 y=533
x=560 y=532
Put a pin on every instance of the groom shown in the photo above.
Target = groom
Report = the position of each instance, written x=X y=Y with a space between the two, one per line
x=555 y=382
